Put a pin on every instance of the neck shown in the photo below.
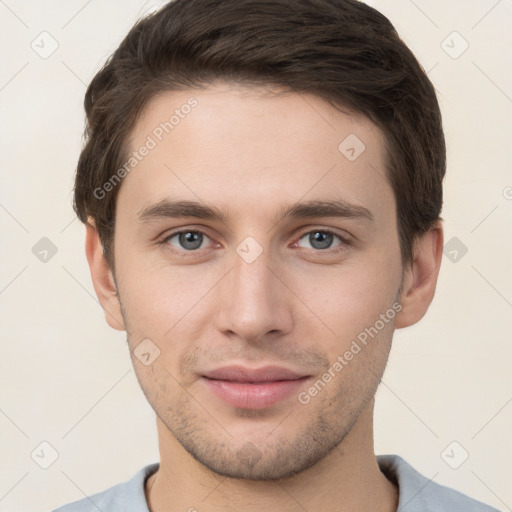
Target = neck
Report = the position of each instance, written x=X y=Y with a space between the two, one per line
x=348 y=478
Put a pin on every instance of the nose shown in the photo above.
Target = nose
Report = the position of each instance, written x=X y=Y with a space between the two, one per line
x=254 y=302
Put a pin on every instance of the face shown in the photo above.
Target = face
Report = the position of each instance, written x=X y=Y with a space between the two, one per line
x=270 y=280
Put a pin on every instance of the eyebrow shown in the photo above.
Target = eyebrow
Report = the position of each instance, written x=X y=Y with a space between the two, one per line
x=166 y=209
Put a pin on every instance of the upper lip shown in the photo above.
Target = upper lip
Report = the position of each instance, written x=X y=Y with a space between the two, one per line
x=243 y=374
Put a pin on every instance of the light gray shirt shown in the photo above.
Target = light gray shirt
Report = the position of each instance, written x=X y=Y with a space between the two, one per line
x=416 y=493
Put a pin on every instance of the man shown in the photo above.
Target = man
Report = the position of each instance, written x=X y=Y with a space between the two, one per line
x=261 y=187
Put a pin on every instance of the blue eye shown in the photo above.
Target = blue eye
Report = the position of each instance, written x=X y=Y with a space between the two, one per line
x=190 y=240
x=321 y=239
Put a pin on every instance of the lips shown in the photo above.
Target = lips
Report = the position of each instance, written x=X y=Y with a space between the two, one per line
x=253 y=388
x=264 y=374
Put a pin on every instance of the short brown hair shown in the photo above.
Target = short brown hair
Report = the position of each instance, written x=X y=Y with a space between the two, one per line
x=343 y=51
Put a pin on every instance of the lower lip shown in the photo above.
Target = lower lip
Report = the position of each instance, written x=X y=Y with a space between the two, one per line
x=253 y=396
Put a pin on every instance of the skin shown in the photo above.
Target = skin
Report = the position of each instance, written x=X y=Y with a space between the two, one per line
x=250 y=153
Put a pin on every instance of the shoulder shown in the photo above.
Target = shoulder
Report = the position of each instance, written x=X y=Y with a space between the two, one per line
x=420 y=494
x=125 y=496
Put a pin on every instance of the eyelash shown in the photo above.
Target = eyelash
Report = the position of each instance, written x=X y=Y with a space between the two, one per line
x=337 y=249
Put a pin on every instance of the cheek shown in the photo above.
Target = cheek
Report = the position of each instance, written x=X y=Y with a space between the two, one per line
x=351 y=296
x=161 y=384
x=161 y=300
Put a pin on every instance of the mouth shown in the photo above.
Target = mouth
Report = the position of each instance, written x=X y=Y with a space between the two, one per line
x=253 y=388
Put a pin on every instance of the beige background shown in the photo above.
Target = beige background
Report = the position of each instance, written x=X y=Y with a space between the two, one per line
x=66 y=378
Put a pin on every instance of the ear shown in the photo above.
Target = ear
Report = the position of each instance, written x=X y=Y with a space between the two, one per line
x=102 y=278
x=420 y=278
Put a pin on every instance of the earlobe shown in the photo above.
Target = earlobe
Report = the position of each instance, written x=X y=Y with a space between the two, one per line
x=420 y=278
x=102 y=278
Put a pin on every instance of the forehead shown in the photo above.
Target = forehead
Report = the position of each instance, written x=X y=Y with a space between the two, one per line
x=247 y=150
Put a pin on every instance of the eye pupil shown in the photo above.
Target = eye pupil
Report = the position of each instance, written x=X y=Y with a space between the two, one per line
x=191 y=237
x=325 y=239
